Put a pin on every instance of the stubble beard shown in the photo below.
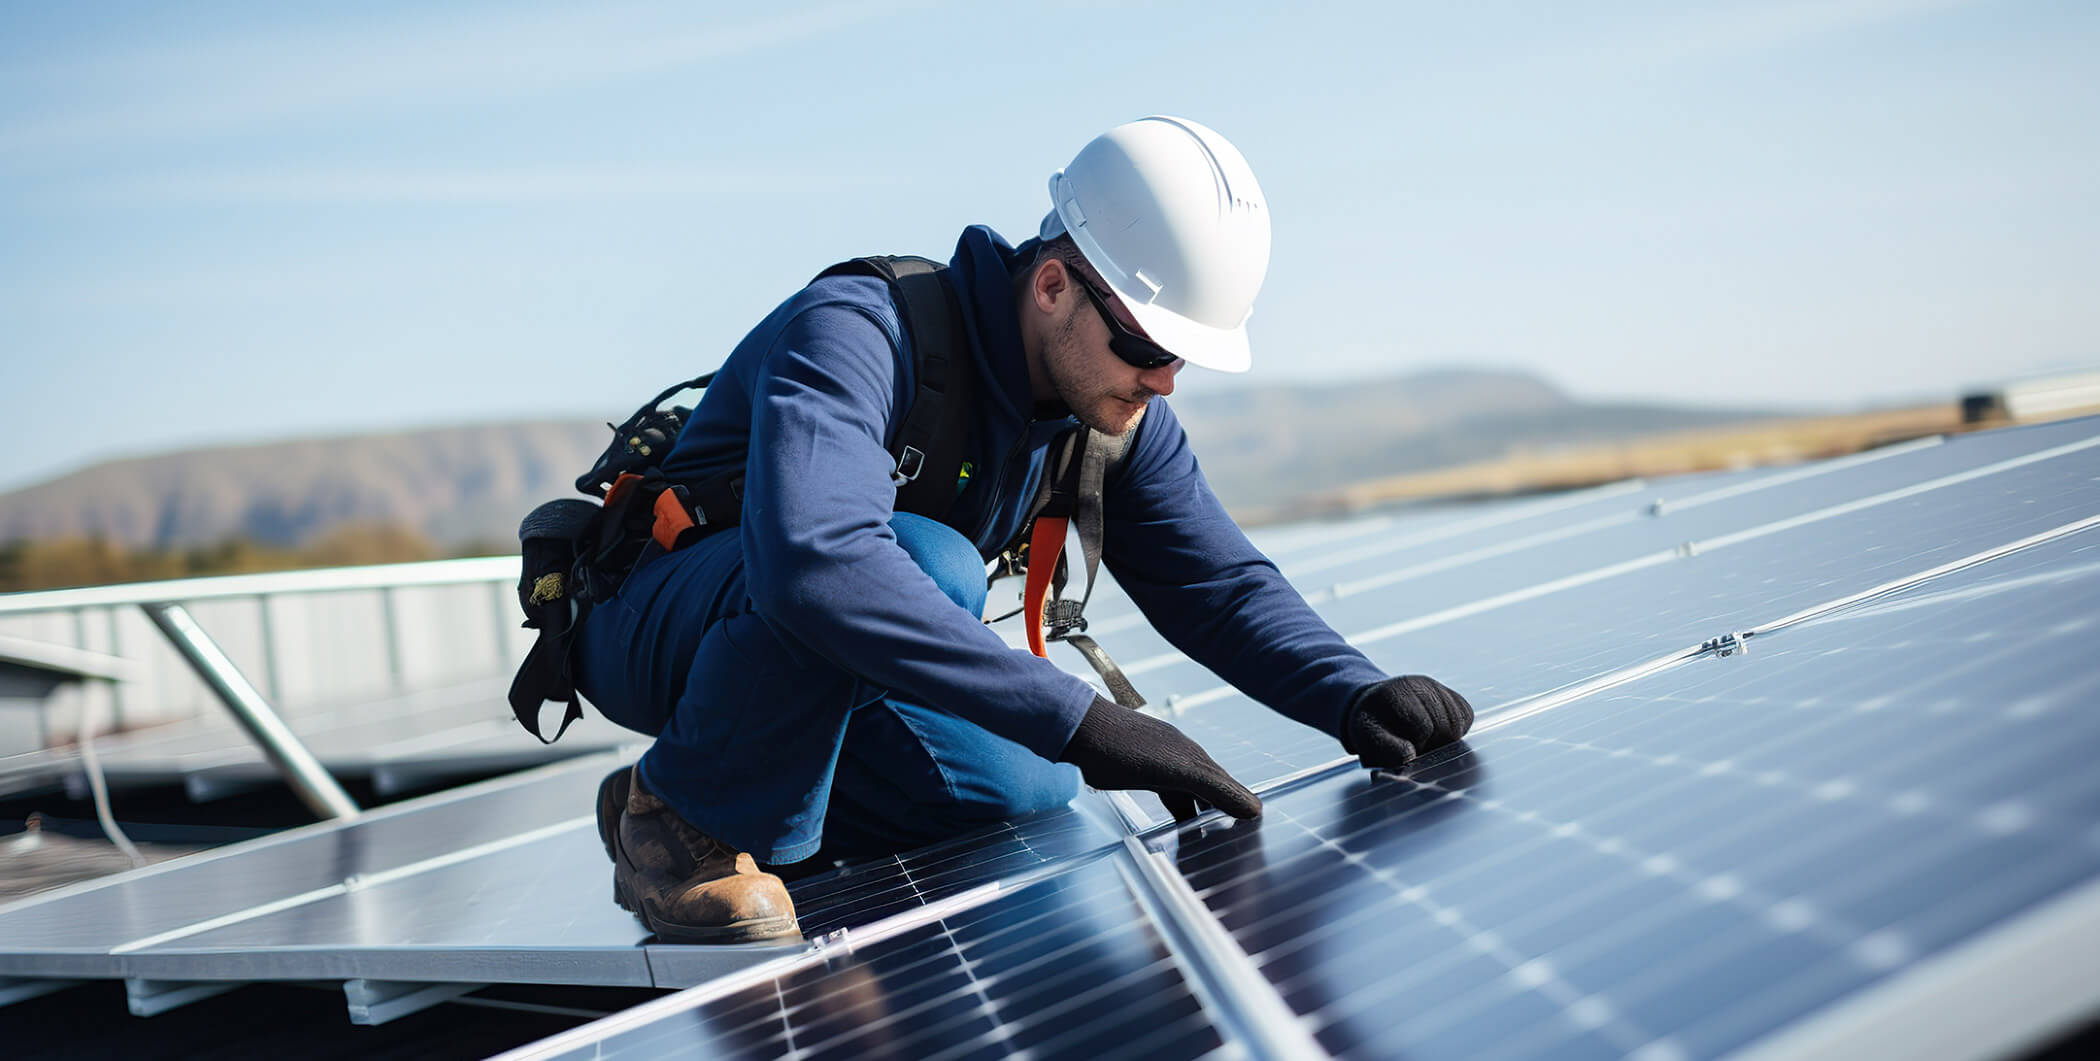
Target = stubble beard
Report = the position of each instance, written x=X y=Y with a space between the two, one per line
x=1095 y=401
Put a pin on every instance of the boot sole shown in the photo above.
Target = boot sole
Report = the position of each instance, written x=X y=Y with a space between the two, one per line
x=751 y=930
x=755 y=930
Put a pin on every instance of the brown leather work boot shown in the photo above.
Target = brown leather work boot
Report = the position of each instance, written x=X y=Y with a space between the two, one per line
x=689 y=887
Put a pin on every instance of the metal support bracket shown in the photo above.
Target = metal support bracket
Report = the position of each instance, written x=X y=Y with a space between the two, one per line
x=20 y=990
x=151 y=998
x=1726 y=645
x=308 y=779
x=379 y=1001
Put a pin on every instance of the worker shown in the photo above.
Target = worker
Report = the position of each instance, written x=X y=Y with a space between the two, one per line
x=820 y=678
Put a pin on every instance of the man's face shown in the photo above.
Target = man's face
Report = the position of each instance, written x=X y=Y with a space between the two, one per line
x=1105 y=392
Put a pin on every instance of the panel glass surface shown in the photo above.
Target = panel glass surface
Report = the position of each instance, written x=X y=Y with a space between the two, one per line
x=1372 y=592
x=1067 y=967
x=1531 y=646
x=38 y=932
x=1254 y=744
x=1534 y=644
x=1685 y=863
x=537 y=912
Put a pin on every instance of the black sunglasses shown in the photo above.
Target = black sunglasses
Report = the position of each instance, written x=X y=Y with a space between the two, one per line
x=1135 y=350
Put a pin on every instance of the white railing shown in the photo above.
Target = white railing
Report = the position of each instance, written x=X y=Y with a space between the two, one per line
x=296 y=638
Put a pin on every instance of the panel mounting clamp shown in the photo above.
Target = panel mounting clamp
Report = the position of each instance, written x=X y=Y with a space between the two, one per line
x=1726 y=645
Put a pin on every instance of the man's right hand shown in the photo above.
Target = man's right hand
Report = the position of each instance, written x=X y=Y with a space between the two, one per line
x=1391 y=722
x=1118 y=748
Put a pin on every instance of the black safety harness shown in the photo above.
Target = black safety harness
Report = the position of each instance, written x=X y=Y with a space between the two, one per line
x=578 y=552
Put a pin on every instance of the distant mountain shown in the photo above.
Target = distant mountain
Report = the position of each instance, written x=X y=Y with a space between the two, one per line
x=1263 y=449
x=453 y=485
x=458 y=485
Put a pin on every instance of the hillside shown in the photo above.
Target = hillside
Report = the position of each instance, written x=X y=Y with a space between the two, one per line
x=1262 y=450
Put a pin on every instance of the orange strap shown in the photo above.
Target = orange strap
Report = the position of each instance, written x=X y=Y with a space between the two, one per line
x=1045 y=545
x=620 y=487
x=672 y=520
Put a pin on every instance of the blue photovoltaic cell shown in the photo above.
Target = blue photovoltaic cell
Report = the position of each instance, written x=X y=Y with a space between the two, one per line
x=1376 y=542
x=1065 y=968
x=1449 y=573
x=1532 y=645
x=869 y=891
x=1254 y=744
x=1691 y=861
x=1544 y=643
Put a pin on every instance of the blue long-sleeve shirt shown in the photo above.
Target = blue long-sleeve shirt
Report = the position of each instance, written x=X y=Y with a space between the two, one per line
x=808 y=405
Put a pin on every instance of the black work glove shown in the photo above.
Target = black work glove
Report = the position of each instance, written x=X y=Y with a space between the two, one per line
x=1391 y=722
x=1118 y=748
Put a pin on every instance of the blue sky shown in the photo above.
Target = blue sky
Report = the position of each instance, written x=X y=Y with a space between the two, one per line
x=227 y=222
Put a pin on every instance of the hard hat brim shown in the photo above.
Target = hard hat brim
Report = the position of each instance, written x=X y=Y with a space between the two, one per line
x=1217 y=349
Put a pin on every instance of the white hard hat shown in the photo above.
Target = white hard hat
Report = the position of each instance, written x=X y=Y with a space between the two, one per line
x=1169 y=213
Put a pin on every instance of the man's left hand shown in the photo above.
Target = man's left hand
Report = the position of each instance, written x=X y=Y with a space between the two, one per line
x=1399 y=718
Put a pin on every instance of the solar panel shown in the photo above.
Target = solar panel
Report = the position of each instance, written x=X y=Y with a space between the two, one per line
x=1537 y=619
x=1615 y=617
x=1550 y=535
x=1066 y=967
x=74 y=932
x=503 y=882
x=1514 y=629
x=1879 y=801
x=1690 y=861
x=522 y=912
x=1318 y=547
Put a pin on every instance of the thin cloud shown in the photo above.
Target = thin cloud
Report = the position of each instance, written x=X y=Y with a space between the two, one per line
x=191 y=88
x=1759 y=26
x=415 y=187
x=1630 y=43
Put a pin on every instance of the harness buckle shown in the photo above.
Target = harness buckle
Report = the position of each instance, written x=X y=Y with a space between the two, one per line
x=1064 y=619
x=909 y=464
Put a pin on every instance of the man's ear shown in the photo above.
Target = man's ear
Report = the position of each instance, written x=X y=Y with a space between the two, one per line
x=1051 y=281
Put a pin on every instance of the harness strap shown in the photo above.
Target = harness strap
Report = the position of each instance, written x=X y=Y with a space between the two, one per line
x=929 y=442
x=1101 y=451
x=1073 y=496
x=1118 y=683
x=1046 y=546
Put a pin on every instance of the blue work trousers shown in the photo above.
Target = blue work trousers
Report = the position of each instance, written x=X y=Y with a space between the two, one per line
x=775 y=751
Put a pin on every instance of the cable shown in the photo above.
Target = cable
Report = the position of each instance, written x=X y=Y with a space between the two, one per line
x=99 y=787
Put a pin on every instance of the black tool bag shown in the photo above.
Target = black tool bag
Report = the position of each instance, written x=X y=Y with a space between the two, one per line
x=550 y=538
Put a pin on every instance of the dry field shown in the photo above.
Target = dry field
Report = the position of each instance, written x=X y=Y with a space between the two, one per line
x=1769 y=442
